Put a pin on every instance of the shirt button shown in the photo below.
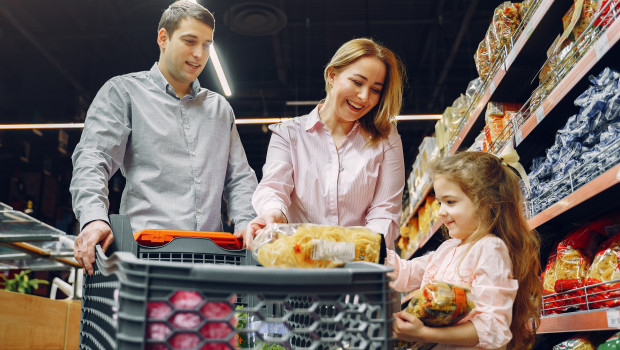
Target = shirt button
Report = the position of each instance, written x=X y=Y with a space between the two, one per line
x=193 y=153
x=199 y=211
x=197 y=181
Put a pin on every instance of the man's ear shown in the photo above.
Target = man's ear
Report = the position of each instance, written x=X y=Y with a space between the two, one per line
x=162 y=38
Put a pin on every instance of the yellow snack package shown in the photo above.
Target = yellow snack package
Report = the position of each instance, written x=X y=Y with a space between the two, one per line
x=316 y=246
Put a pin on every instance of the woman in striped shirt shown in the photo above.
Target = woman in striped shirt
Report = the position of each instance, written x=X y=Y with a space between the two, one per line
x=341 y=164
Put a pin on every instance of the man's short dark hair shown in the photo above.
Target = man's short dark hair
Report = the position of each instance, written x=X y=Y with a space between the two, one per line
x=181 y=10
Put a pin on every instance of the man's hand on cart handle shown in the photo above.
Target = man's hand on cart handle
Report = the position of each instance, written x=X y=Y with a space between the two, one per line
x=255 y=226
x=84 y=248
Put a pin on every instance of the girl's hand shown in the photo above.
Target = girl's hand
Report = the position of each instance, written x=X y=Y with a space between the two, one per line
x=407 y=327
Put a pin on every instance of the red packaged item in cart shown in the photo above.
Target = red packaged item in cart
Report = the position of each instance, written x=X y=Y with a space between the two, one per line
x=574 y=257
x=182 y=314
x=605 y=268
x=154 y=237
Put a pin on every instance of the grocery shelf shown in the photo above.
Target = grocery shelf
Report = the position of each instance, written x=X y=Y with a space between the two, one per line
x=546 y=13
x=425 y=191
x=598 y=304
x=600 y=184
x=607 y=40
x=434 y=228
x=597 y=320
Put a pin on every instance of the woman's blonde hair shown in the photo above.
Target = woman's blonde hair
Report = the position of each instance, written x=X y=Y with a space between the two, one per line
x=494 y=189
x=377 y=122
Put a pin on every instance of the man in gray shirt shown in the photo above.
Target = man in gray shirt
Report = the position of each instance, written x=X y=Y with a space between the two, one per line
x=175 y=142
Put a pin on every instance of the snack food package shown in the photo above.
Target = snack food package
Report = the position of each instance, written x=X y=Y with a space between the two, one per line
x=482 y=59
x=574 y=257
x=315 y=246
x=588 y=12
x=438 y=304
x=551 y=303
x=577 y=342
x=497 y=117
x=506 y=19
x=605 y=267
x=613 y=343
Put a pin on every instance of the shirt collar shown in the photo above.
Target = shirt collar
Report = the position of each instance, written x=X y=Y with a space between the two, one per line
x=314 y=119
x=163 y=84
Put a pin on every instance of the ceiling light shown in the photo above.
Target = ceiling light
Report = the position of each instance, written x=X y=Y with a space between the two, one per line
x=302 y=103
x=219 y=71
x=418 y=117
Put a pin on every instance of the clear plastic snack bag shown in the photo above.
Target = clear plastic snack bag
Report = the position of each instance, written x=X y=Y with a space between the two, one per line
x=438 y=304
x=316 y=246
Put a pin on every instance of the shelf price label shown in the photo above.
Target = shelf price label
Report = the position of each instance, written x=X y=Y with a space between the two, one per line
x=540 y=114
x=518 y=136
x=601 y=46
x=492 y=87
x=613 y=318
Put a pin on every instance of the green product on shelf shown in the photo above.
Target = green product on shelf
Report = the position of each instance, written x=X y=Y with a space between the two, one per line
x=611 y=343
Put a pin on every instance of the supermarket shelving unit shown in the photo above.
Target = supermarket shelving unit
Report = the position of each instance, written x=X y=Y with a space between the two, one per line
x=513 y=78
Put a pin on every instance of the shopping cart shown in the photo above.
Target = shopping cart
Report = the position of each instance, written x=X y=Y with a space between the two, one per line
x=177 y=301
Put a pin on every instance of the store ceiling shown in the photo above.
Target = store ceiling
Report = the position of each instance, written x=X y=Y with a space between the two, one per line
x=54 y=56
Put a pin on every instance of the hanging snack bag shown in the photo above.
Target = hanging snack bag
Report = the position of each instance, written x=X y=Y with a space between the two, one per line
x=605 y=268
x=505 y=22
x=438 y=304
x=316 y=246
x=482 y=59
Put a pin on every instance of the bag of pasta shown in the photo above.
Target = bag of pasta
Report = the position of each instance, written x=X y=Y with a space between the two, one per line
x=605 y=268
x=316 y=246
x=438 y=304
x=551 y=302
x=574 y=256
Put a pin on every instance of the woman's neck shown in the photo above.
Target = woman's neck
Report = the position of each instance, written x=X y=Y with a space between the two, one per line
x=337 y=127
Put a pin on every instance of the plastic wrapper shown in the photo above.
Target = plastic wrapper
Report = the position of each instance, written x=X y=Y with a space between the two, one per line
x=588 y=12
x=612 y=343
x=497 y=117
x=315 y=246
x=548 y=277
x=605 y=268
x=506 y=19
x=472 y=87
x=577 y=342
x=482 y=59
x=438 y=304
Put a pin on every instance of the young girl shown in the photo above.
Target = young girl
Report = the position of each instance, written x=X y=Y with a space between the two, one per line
x=341 y=164
x=491 y=250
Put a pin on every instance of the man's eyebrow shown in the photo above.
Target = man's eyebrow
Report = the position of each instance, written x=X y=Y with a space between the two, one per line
x=366 y=79
x=194 y=36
